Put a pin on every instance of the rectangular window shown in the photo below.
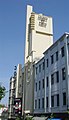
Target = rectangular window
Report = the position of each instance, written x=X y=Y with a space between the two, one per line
x=57 y=56
x=68 y=48
x=47 y=81
x=52 y=101
x=42 y=102
x=62 y=51
x=46 y=101
x=64 y=98
x=52 y=59
x=39 y=85
x=57 y=99
x=52 y=79
x=36 y=70
x=57 y=76
x=36 y=86
x=39 y=103
x=35 y=104
x=43 y=65
x=43 y=83
x=47 y=62
x=63 y=74
x=39 y=68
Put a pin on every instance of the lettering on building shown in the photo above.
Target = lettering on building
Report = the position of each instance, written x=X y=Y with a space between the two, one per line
x=42 y=20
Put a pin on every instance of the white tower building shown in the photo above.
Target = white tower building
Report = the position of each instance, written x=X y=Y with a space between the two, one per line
x=39 y=37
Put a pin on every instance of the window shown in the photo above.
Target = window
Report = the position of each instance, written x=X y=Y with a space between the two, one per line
x=36 y=69
x=52 y=101
x=64 y=98
x=47 y=81
x=39 y=85
x=57 y=76
x=43 y=83
x=43 y=65
x=63 y=73
x=46 y=101
x=39 y=103
x=39 y=68
x=52 y=59
x=57 y=56
x=52 y=79
x=57 y=99
x=47 y=62
x=42 y=102
x=36 y=86
x=68 y=48
x=35 y=104
x=62 y=51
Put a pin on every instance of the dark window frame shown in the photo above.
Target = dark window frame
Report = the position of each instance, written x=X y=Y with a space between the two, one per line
x=57 y=76
x=57 y=56
x=43 y=85
x=62 y=51
x=57 y=99
x=52 y=101
x=43 y=103
x=47 y=102
x=36 y=70
x=43 y=65
x=39 y=103
x=39 y=68
x=64 y=98
x=39 y=85
x=47 y=79
x=52 y=59
x=52 y=79
x=35 y=104
x=63 y=73
x=47 y=63
x=36 y=86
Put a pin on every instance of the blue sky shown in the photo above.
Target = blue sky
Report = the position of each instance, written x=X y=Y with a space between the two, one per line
x=12 y=30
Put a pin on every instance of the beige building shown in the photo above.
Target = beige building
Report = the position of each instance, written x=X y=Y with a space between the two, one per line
x=39 y=37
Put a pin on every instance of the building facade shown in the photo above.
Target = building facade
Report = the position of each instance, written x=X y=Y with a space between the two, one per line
x=15 y=89
x=51 y=91
x=39 y=37
x=43 y=82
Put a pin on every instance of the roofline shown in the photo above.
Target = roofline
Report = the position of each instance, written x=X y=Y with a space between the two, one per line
x=66 y=33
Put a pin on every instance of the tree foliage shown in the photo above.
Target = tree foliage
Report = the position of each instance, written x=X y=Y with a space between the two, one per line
x=2 y=91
